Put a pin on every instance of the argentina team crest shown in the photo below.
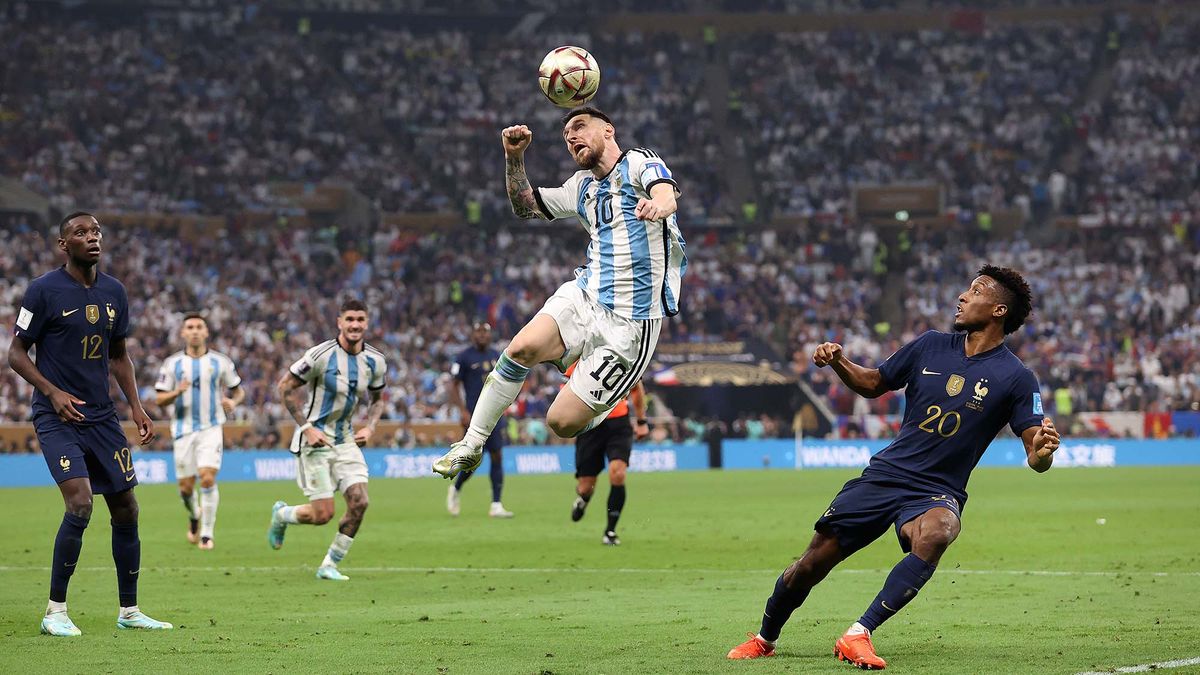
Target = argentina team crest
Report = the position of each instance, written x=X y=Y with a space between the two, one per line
x=954 y=385
x=92 y=312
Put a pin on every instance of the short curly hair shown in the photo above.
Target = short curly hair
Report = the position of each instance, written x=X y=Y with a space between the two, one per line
x=1015 y=294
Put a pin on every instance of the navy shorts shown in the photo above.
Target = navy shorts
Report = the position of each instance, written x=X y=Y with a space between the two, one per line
x=97 y=451
x=867 y=505
x=611 y=439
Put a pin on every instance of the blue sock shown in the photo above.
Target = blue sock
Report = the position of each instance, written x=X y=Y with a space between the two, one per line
x=462 y=478
x=127 y=554
x=902 y=585
x=779 y=608
x=616 y=502
x=67 y=545
x=497 y=474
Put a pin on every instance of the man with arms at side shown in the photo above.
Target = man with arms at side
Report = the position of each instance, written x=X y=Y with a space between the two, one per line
x=611 y=440
x=193 y=383
x=338 y=374
x=79 y=318
x=608 y=318
x=470 y=369
x=961 y=389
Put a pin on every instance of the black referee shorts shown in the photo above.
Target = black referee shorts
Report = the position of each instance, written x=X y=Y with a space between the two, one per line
x=611 y=439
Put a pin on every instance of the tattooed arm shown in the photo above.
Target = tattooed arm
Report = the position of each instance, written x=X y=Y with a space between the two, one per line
x=520 y=192
x=374 y=413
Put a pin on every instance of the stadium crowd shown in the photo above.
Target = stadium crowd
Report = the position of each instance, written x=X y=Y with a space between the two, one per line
x=164 y=116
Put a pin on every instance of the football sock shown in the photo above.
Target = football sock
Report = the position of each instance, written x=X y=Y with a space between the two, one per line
x=616 y=502
x=462 y=478
x=497 y=475
x=586 y=498
x=189 y=503
x=127 y=612
x=288 y=515
x=67 y=545
x=53 y=607
x=902 y=585
x=779 y=609
x=500 y=389
x=337 y=550
x=209 y=498
x=127 y=554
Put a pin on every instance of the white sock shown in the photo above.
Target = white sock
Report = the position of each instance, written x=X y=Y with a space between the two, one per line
x=55 y=607
x=500 y=389
x=127 y=612
x=288 y=515
x=857 y=629
x=337 y=550
x=209 y=498
x=770 y=642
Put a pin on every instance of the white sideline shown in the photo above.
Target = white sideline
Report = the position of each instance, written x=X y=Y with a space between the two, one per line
x=1146 y=667
x=600 y=570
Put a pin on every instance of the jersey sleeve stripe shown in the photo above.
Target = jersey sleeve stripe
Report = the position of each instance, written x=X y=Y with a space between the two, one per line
x=668 y=181
x=537 y=195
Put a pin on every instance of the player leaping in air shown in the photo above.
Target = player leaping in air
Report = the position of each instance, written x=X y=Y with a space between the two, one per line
x=608 y=318
x=961 y=388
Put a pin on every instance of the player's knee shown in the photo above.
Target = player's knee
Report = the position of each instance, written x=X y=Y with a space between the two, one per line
x=938 y=534
x=207 y=482
x=523 y=351
x=616 y=475
x=359 y=507
x=563 y=426
x=80 y=507
x=321 y=515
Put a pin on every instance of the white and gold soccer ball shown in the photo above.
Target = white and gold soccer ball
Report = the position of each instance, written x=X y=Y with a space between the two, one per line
x=569 y=76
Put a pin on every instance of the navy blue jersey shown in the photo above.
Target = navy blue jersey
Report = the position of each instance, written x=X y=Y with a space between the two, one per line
x=955 y=406
x=471 y=368
x=73 y=326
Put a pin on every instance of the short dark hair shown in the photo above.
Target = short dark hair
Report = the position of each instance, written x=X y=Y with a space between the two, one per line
x=352 y=305
x=194 y=315
x=62 y=224
x=1015 y=294
x=585 y=110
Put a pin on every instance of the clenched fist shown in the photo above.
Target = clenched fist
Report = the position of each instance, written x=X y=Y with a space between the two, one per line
x=516 y=138
x=827 y=353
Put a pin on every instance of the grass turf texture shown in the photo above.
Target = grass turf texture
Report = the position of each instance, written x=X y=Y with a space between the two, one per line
x=700 y=553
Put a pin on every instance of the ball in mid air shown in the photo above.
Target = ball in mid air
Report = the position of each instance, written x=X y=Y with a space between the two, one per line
x=569 y=76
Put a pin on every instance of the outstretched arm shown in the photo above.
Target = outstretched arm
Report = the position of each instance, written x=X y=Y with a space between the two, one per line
x=520 y=192
x=866 y=382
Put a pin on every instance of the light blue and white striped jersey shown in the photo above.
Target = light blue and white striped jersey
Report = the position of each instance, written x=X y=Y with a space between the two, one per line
x=199 y=407
x=339 y=380
x=634 y=267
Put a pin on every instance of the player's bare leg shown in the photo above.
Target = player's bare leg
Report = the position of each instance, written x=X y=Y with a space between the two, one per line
x=187 y=494
x=539 y=341
x=616 y=500
x=127 y=554
x=585 y=486
x=209 y=499
x=356 y=509
x=823 y=554
x=77 y=503
x=569 y=416
x=316 y=512
x=930 y=534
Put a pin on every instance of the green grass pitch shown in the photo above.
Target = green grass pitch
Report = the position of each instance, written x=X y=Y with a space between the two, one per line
x=1033 y=585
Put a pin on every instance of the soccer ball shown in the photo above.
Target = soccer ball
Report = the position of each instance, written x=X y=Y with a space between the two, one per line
x=569 y=76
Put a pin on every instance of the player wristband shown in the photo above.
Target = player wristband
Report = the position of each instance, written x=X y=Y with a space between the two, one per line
x=304 y=427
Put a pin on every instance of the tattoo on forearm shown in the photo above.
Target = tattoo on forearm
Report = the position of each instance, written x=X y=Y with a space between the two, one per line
x=375 y=411
x=292 y=408
x=520 y=192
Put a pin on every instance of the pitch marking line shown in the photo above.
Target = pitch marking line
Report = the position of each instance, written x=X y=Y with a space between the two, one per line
x=1147 y=667
x=599 y=570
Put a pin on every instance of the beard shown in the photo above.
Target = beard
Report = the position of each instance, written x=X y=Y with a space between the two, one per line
x=589 y=159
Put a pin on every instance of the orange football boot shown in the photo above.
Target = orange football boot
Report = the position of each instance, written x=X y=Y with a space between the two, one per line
x=753 y=648
x=858 y=651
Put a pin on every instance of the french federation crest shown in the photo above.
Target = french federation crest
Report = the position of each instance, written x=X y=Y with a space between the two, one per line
x=954 y=385
x=92 y=312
